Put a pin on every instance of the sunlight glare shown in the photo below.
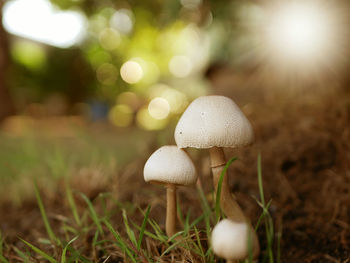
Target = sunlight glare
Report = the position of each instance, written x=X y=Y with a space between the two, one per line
x=39 y=20
x=299 y=30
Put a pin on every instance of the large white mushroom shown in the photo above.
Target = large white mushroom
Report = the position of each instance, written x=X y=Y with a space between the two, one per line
x=172 y=167
x=214 y=122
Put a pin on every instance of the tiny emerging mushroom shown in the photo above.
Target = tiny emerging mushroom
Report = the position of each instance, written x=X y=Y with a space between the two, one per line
x=215 y=122
x=172 y=167
x=230 y=240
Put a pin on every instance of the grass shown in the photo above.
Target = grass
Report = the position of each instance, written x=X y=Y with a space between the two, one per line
x=135 y=242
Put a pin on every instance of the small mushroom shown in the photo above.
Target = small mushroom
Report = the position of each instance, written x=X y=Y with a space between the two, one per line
x=172 y=167
x=214 y=122
x=230 y=240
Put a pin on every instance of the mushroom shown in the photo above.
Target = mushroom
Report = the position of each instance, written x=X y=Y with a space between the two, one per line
x=230 y=240
x=214 y=122
x=172 y=167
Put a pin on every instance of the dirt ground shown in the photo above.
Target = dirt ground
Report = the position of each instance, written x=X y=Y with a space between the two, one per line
x=304 y=140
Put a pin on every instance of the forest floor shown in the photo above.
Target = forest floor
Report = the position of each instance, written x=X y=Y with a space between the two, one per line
x=304 y=142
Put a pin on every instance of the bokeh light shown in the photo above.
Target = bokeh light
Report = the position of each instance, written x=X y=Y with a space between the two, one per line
x=107 y=74
x=129 y=98
x=180 y=66
x=191 y=4
x=109 y=39
x=147 y=122
x=120 y=115
x=122 y=20
x=29 y=54
x=159 y=108
x=131 y=72
x=177 y=100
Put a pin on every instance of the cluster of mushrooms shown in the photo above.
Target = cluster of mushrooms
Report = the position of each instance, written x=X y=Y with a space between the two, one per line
x=209 y=122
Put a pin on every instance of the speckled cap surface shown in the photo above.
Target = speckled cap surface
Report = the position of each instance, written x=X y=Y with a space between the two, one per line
x=170 y=165
x=213 y=121
x=230 y=240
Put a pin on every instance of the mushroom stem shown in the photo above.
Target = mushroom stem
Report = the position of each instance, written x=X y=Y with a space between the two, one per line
x=227 y=202
x=170 y=223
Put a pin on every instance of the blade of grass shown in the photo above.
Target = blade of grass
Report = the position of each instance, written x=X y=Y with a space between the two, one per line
x=63 y=257
x=197 y=220
x=143 y=227
x=48 y=228
x=207 y=211
x=72 y=205
x=269 y=228
x=218 y=193
x=22 y=255
x=39 y=251
x=204 y=201
x=171 y=247
x=260 y=183
x=120 y=241
x=129 y=231
x=187 y=223
x=262 y=216
x=93 y=213
x=3 y=259
x=179 y=212
x=199 y=241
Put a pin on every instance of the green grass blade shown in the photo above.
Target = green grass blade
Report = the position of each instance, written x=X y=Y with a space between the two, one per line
x=120 y=241
x=204 y=201
x=39 y=252
x=3 y=259
x=262 y=216
x=93 y=213
x=143 y=227
x=197 y=220
x=187 y=223
x=199 y=242
x=72 y=205
x=269 y=227
x=129 y=231
x=171 y=247
x=21 y=254
x=48 y=228
x=63 y=257
x=218 y=193
x=261 y=187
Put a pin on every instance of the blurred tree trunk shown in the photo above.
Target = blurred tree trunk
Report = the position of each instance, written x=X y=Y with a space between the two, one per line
x=6 y=104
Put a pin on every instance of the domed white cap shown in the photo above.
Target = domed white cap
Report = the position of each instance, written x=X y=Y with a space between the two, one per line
x=230 y=240
x=170 y=165
x=213 y=121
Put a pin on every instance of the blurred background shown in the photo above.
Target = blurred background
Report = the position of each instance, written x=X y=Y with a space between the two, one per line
x=90 y=88
x=141 y=62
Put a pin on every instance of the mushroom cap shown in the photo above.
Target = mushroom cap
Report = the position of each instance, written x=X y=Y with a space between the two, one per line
x=230 y=240
x=170 y=165
x=213 y=121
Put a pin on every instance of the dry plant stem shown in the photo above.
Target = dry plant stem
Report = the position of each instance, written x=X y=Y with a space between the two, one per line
x=170 y=223
x=227 y=203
